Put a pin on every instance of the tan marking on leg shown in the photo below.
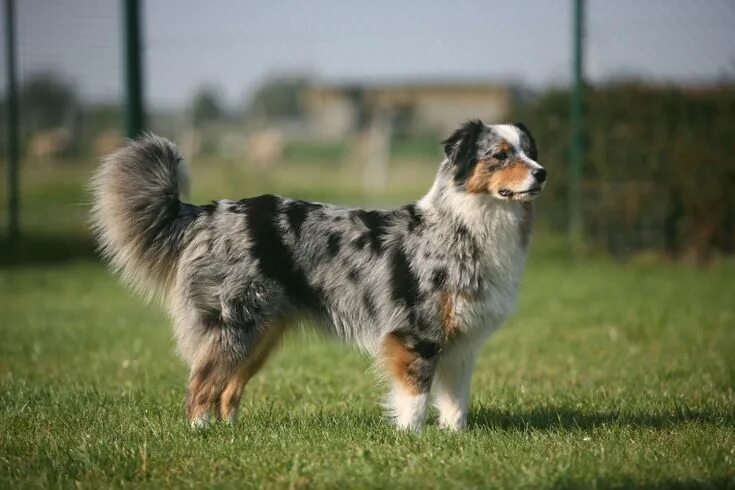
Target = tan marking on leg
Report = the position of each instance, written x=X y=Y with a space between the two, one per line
x=398 y=359
x=229 y=400
x=211 y=370
x=411 y=369
x=200 y=393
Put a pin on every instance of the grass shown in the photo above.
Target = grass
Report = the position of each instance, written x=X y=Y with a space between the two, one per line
x=608 y=376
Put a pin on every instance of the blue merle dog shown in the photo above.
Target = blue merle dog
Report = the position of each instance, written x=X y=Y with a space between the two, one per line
x=419 y=287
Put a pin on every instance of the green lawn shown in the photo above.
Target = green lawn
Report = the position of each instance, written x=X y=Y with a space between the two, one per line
x=608 y=376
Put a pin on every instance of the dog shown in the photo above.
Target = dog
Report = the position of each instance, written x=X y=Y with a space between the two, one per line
x=419 y=287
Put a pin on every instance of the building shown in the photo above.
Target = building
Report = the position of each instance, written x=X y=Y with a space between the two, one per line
x=335 y=111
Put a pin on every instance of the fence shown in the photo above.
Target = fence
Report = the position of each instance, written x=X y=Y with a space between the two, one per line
x=650 y=164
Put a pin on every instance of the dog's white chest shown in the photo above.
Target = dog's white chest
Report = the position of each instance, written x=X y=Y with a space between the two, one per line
x=500 y=273
x=487 y=310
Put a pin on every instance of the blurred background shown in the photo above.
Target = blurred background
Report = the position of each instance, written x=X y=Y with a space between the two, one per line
x=632 y=104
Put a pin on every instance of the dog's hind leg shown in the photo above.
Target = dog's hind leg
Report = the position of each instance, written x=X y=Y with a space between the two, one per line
x=212 y=368
x=229 y=399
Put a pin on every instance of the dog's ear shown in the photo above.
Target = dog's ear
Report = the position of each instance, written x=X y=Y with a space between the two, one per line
x=461 y=147
x=528 y=143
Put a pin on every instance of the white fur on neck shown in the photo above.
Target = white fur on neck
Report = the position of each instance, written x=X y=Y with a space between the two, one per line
x=496 y=226
x=489 y=219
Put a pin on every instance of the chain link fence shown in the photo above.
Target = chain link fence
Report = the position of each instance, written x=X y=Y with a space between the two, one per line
x=347 y=90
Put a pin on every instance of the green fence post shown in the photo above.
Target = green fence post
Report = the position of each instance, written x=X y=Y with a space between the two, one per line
x=134 y=111
x=12 y=129
x=576 y=113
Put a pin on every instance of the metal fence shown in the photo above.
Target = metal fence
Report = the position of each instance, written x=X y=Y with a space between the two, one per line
x=633 y=112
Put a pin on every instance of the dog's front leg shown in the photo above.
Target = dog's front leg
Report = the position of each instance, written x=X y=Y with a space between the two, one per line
x=407 y=407
x=452 y=385
x=410 y=364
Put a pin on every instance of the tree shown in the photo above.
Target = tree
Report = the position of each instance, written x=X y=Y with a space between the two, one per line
x=46 y=101
x=207 y=106
x=278 y=98
x=658 y=168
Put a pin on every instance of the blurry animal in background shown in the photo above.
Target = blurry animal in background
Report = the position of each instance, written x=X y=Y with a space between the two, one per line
x=265 y=148
x=107 y=141
x=46 y=146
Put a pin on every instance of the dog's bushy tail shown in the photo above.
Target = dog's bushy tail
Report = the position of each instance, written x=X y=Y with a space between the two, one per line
x=137 y=216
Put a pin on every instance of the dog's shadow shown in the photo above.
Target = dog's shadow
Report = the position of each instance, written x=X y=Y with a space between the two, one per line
x=547 y=418
x=551 y=418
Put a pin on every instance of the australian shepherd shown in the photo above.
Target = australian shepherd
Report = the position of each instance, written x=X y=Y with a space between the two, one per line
x=419 y=287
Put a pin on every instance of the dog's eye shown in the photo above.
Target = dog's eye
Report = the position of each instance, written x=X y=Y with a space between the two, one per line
x=500 y=156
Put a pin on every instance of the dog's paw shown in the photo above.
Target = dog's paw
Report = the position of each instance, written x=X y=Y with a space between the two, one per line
x=452 y=418
x=202 y=422
x=454 y=424
x=408 y=425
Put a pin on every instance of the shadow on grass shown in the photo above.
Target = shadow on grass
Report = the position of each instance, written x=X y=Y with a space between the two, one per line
x=45 y=249
x=631 y=482
x=567 y=418
x=539 y=419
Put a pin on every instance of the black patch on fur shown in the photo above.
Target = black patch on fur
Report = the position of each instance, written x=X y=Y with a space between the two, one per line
x=528 y=142
x=404 y=283
x=333 y=244
x=242 y=313
x=422 y=371
x=461 y=149
x=209 y=209
x=423 y=346
x=427 y=349
x=438 y=278
x=414 y=215
x=296 y=214
x=353 y=275
x=360 y=242
x=275 y=260
x=376 y=223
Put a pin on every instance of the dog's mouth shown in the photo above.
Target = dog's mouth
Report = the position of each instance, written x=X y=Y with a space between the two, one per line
x=509 y=194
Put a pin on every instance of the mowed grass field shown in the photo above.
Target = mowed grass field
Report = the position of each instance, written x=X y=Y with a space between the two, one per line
x=608 y=376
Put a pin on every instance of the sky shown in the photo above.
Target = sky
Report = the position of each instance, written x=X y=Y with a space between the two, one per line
x=235 y=45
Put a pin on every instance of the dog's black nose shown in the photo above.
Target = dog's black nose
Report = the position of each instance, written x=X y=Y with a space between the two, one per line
x=540 y=174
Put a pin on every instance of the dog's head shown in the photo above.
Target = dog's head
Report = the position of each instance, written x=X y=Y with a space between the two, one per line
x=497 y=160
